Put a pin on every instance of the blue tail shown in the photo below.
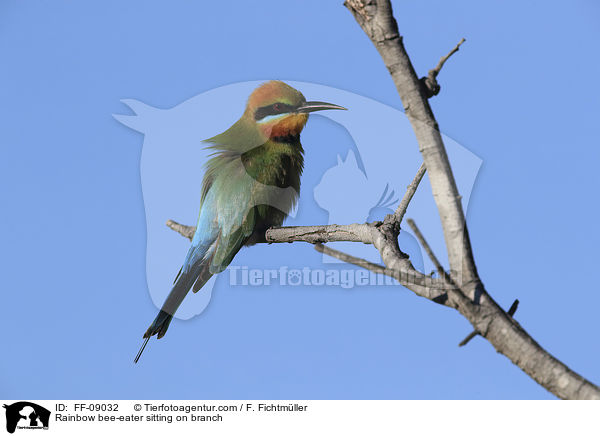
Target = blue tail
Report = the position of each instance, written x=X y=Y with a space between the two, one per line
x=194 y=274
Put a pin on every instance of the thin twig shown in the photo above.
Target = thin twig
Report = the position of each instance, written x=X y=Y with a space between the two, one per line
x=410 y=192
x=430 y=82
x=183 y=230
x=348 y=258
x=513 y=307
x=456 y=294
x=466 y=340
x=440 y=269
x=433 y=73
x=424 y=286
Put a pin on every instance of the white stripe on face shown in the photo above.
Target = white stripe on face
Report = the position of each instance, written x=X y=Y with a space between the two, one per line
x=272 y=118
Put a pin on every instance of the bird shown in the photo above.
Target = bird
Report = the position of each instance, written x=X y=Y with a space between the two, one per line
x=250 y=183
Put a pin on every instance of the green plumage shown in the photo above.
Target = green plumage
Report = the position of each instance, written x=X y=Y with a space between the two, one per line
x=250 y=184
x=257 y=189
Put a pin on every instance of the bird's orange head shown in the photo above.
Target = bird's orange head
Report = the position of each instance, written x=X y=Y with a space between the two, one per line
x=280 y=110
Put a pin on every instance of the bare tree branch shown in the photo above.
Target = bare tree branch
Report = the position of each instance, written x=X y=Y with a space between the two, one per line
x=513 y=308
x=432 y=87
x=466 y=340
x=456 y=294
x=511 y=312
x=376 y=19
x=410 y=192
x=383 y=235
x=440 y=269
x=345 y=257
x=462 y=289
x=487 y=317
x=319 y=234
x=183 y=230
x=420 y=284
x=311 y=234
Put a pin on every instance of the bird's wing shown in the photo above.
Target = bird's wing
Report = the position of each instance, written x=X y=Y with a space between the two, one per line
x=235 y=213
x=230 y=241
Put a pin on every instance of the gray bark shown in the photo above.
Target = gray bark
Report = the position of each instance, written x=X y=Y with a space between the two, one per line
x=462 y=289
x=502 y=331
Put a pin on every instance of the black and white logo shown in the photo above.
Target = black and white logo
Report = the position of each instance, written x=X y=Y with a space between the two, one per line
x=26 y=415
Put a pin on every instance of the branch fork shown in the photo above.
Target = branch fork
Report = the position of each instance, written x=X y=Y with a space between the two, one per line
x=376 y=19
x=462 y=289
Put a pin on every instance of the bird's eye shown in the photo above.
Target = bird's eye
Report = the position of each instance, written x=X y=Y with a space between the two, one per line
x=277 y=107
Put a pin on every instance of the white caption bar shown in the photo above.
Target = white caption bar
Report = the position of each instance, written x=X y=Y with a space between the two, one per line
x=300 y=417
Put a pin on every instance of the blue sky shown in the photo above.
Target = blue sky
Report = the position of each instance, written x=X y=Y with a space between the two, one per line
x=520 y=95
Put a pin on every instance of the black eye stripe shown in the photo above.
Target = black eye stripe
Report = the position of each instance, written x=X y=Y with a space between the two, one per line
x=272 y=109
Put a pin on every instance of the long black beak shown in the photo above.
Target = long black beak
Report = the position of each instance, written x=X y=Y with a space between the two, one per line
x=312 y=106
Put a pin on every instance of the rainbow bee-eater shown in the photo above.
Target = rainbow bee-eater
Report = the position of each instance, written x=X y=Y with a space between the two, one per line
x=250 y=184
